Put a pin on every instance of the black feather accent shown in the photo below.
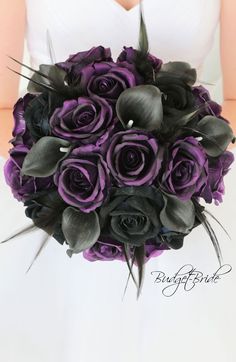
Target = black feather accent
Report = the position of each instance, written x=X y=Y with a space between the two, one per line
x=127 y=282
x=139 y=253
x=127 y=256
x=43 y=244
x=32 y=69
x=204 y=221
x=142 y=63
x=218 y=222
x=23 y=231
x=43 y=85
x=143 y=38
x=50 y=48
x=52 y=80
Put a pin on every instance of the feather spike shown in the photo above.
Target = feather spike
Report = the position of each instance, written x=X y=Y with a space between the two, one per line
x=38 y=83
x=21 y=232
x=218 y=222
x=50 y=48
x=139 y=257
x=127 y=282
x=43 y=244
x=126 y=253
x=32 y=69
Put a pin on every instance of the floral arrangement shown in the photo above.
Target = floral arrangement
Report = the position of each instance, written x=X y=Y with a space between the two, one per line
x=114 y=157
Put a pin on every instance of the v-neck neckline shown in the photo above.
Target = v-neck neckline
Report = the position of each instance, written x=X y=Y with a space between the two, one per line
x=122 y=9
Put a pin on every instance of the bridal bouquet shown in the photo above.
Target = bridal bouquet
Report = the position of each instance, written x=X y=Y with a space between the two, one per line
x=113 y=157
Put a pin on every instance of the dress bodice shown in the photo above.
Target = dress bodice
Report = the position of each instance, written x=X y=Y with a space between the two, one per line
x=177 y=30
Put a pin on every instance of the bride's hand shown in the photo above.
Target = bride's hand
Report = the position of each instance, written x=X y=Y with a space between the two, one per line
x=12 y=29
x=6 y=121
x=228 y=60
x=229 y=112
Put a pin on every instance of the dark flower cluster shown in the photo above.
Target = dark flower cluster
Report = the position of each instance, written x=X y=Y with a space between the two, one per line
x=124 y=157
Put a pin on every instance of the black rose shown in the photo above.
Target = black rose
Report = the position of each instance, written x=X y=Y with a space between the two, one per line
x=45 y=209
x=177 y=93
x=172 y=239
x=132 y=214
x=76 y=62
x=38 y=112
x=178 y=99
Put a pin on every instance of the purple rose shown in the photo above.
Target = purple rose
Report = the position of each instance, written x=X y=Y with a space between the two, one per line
x=218 y=168
x=86 y=120
x=76 y=62
x=106 y=80
x=105 y=250
x=202 y=96
x=109 y=249
x=134 y=158
x=186 y=168
x=23 y=186
x=20 y=133
x=83 y=180
x=128 y=55
x=151 y=251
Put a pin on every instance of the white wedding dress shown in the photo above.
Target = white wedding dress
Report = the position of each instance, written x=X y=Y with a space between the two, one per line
x=69 y=310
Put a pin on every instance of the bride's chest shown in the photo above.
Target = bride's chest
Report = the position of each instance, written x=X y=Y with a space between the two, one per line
x=175 y=28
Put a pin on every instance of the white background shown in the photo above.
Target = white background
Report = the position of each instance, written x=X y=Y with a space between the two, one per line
x=68 y=310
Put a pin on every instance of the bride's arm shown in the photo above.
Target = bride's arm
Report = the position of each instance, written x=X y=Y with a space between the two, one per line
x=12 y=28
x=228 y=59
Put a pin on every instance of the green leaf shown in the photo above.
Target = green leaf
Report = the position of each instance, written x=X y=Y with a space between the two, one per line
x=216 y=133
x=141 y=104
x=177 y=215
x=43 y=157
x=81 y=230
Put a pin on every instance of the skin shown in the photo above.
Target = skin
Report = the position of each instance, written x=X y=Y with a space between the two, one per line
x=12 y=31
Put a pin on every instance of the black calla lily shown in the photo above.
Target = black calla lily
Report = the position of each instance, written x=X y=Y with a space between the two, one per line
x=81 y=230
x=142 y=105
x=43 y=157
